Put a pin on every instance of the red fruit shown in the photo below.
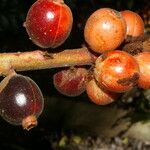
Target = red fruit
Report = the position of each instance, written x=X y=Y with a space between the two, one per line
x=98 y=95
x=143 y=60
x=105 y=30
x=135 y=24
x=116 y=71
x=48 y=23
x=71 y=82
x=21 y=101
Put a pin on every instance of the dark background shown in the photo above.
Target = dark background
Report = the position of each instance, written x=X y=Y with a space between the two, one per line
x=13 y=38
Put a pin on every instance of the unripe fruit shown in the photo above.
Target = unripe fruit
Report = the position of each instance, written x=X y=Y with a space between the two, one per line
x=143 y=60
x=105 y=30
x=21 y=101
x=71 y=82
x=116 y=71
x=98 y=95
x=48 y=23
x=135 y=24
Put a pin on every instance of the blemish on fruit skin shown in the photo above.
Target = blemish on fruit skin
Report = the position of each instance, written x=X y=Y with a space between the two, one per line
x=132 y=80
x=115 y=60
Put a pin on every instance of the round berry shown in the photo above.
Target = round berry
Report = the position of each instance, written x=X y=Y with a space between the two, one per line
x=105 y=30
x=21 y=101
x=48 y=23
x=116 y=71
x=143 y=60
x=135 y=24
x=71 y=82
x=99 y=95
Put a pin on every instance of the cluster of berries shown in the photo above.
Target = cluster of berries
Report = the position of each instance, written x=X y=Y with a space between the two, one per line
x=48 y=24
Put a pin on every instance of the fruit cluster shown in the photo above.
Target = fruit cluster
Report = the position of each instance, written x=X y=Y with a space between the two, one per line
x=48 y=24
x=115 y=71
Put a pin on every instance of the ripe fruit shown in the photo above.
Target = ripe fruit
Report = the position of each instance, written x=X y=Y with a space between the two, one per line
x=105 y=30
x=71 y=82
x=143 y=60
x=98 y=95
x=48 y=23
x=116 y=71
x=21 y=101
x=135 y=24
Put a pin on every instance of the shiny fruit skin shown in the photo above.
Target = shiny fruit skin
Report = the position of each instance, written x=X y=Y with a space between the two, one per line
x=20 y=98
x=105 y=30
x=48 y=23
x=116 y=71
x=135 y=24
x=98 y=95
x=143 y=60
x=71 y=82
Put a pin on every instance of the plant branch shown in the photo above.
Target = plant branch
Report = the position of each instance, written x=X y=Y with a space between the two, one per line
x=36 y=60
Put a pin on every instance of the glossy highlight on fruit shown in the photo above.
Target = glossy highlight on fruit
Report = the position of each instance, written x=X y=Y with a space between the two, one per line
x=48 y=23
x=143 y=60
x=98 y=95
x=71 y=82
x=105 y=30
x=21 y=101
x=116 y=71
x=135 y=24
